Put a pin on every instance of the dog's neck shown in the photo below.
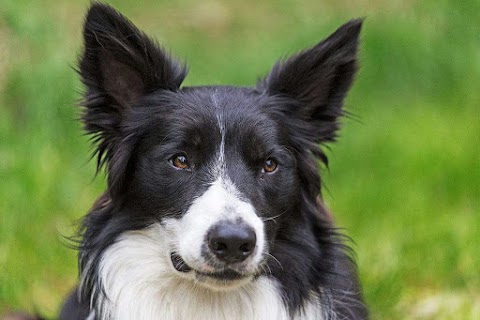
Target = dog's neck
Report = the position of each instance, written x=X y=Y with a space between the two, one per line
x=139 y=283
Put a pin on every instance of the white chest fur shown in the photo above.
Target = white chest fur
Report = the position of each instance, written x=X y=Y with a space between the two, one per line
x=140 y=284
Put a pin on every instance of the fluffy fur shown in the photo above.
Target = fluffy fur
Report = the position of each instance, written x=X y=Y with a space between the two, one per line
x=186 y=162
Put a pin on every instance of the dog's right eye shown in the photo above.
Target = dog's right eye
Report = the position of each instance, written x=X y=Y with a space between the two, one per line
x=269 y=166
x=180 y=161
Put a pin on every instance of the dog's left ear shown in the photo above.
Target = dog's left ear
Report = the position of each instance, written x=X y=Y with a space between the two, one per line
x=319 y=79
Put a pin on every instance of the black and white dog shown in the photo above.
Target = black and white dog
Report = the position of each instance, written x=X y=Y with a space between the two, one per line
x=213 y=206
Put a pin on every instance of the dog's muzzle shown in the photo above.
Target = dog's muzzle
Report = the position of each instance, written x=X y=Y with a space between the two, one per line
x=227 y=247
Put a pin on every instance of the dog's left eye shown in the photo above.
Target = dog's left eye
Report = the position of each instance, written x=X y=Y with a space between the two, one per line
x=180 y=161
x=269 y=166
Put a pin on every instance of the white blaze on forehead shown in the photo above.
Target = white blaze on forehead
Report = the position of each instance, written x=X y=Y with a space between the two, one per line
x=219 y=166
x=220 y=202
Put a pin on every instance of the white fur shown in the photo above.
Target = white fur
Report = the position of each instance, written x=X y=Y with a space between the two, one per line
x=218 y=166
x=140 y=283
x=220 y=202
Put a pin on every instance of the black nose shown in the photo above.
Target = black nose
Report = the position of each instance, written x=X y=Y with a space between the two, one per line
x=231 y=242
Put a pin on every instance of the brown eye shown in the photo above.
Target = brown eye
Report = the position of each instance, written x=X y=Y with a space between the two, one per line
x=269 y=166
x=180 y=161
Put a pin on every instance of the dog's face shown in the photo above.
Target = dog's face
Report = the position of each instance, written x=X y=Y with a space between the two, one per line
x=215 y=168
x=222 y=170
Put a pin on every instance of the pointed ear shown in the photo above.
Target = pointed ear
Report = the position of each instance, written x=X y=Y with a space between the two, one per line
x=119 y=65
x=319 y=79
x=120 y=61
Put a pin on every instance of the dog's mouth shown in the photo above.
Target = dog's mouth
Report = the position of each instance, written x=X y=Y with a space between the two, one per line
x=224 y=275
x=178 y=263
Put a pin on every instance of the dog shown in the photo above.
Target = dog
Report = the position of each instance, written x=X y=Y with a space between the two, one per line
x=213 y=207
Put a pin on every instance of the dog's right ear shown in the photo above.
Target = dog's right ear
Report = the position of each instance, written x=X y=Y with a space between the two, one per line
x=119 y=65
x=121 y=62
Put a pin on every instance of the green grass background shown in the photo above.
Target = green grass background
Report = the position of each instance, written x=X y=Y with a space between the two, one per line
x=404 y=178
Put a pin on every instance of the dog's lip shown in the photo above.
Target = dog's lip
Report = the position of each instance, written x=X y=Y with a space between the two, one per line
x=224 y=275
x=180 y=265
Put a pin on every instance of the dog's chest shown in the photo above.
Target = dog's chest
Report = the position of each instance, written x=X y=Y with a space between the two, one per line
x=187 y=302
x=139 y=284
x=177 y=301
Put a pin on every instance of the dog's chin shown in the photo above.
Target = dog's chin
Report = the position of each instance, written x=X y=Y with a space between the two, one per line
x=217 y=280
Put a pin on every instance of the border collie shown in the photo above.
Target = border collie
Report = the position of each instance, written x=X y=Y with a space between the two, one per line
x=213 y=207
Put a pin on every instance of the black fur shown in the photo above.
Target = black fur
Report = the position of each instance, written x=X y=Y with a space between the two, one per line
x=140 y=117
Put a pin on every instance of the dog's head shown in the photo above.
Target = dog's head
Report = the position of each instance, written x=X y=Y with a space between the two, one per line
x=224 y=171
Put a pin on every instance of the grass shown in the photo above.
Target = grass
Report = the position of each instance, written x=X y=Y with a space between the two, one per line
x=404 y=180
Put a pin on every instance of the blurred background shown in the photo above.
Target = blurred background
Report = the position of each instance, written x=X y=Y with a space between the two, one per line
x=404 y=178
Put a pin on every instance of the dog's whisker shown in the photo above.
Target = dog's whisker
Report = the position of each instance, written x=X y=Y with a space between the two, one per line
x=273 y=218
x=268 y=267
x=275 y=259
